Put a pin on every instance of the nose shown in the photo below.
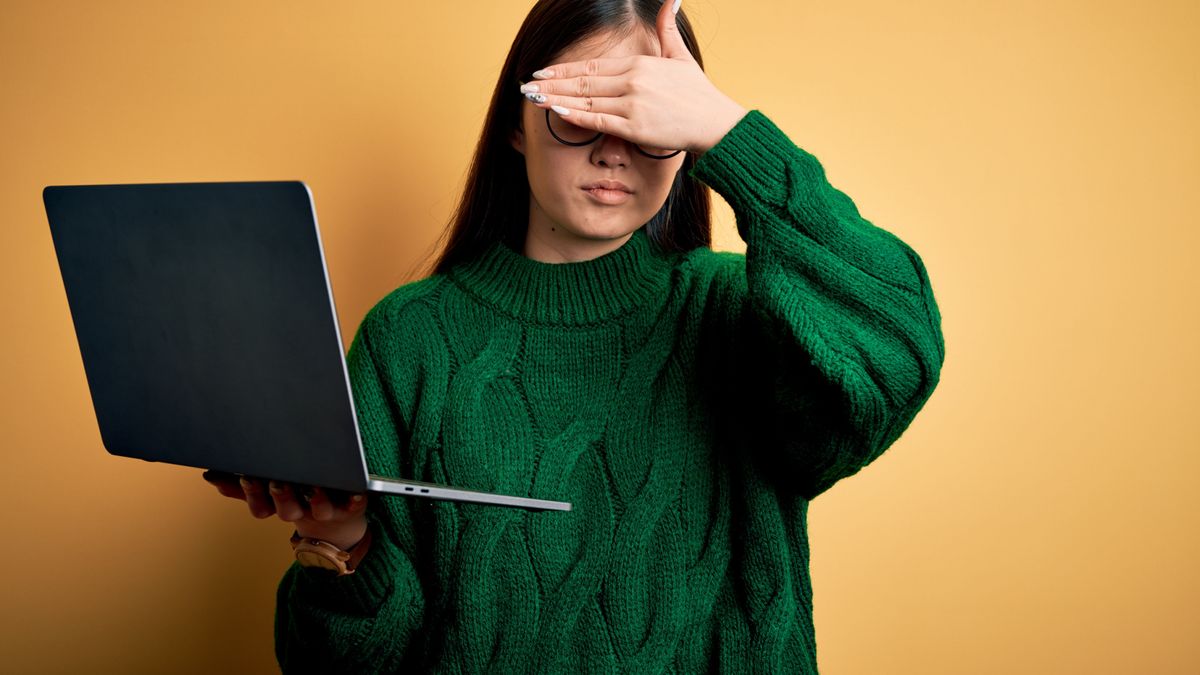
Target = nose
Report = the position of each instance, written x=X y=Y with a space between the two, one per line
x=611 y=151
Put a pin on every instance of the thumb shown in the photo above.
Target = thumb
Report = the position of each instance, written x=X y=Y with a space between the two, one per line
x=669 y=38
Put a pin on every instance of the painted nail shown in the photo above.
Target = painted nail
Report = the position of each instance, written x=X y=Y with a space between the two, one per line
x=536 y=98
x=543 y=74
x=560 y=110
x=530 y=87
x=675 y=7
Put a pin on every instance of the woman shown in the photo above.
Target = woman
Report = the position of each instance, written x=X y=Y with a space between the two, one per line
x=579 y=341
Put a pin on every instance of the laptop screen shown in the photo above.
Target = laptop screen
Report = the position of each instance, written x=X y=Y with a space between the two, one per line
x=207 y=328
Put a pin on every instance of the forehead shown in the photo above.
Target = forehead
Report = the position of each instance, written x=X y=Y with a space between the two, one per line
x=613 y=44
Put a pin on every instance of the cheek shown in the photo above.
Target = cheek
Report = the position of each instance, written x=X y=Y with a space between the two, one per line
x=549 y=185
x=546 y=176
x=661 y=183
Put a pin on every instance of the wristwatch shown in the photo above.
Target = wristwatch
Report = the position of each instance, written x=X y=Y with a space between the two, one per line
x=324 y=555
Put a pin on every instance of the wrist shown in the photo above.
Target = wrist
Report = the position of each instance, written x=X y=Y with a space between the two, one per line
x=723 y=121
x=323 y=555
x=341 y=535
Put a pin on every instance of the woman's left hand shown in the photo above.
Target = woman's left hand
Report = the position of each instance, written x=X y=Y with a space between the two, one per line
x=662 y=102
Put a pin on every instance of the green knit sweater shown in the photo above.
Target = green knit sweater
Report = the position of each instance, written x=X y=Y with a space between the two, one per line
x=688 y=405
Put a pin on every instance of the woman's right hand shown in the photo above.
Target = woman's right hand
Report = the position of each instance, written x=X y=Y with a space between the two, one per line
x=333 y=516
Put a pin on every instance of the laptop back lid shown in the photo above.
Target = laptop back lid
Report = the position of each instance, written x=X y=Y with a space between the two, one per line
x=207 y=328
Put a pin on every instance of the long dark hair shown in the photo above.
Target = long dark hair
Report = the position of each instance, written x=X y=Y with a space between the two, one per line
x=495 y=201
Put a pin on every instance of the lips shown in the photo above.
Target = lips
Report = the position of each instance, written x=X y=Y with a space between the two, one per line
x=608 y=185
x=608 y=192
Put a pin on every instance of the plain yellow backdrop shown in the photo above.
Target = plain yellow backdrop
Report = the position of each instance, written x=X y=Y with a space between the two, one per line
x=1039 y=516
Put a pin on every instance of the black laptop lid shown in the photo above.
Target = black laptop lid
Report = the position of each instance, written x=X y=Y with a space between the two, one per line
x=207 y=327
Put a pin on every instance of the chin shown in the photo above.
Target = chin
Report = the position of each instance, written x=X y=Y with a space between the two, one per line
x=606 y=232
x=614 y=226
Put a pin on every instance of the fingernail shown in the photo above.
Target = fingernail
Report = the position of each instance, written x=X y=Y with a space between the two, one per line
x=543 y=74
x=560 y=110
x=675 y=7
x=536 y=98
x=246 y=484
x=531 y=87
x=356 y=498
x=276 y=488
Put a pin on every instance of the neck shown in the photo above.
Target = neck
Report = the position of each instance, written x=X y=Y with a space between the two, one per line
x=549 y=242
x=552 y=250
x=578 y=293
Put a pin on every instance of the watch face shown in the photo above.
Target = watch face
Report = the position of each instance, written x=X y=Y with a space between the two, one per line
x=313 y=559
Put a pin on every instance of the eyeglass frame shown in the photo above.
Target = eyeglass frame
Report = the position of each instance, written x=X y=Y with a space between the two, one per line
x=595 y=138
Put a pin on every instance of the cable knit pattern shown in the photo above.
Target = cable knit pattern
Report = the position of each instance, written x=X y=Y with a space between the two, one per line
x=690 y=406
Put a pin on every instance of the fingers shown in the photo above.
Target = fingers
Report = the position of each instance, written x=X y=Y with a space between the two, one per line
x=290 y=502
x=287 y=502
x=583 y=86
x=600 y=114
x=611 y=106
x=226 y=483
x=321 y=505
x=598 y=94
x=335 y=505
x=613 y=125
x=669 y=40
x=356 y=505
x=257 y=497
x=605 y=66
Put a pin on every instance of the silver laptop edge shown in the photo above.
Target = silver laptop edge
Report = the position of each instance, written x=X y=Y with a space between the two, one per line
x=435 y=491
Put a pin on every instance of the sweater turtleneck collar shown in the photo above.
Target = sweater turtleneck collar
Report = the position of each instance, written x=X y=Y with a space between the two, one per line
x=572 y=293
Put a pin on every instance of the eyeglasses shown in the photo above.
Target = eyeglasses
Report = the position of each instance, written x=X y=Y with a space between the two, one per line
x=569 y=134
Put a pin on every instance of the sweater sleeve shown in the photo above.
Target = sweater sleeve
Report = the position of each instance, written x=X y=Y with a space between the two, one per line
x=832 y=337
x=363 y=622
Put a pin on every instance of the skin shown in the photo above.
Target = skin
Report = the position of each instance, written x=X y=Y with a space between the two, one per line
x=643 y=88
x=565 y=223
x=337 y=518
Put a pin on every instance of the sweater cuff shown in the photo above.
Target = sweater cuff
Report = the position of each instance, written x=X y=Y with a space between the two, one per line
x=362 y=592
x=753 y=164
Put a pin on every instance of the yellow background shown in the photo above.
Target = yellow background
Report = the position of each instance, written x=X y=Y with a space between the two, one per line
x=1040 y=516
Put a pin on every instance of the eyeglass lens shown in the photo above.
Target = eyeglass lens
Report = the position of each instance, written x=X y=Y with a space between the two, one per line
x=577 y=135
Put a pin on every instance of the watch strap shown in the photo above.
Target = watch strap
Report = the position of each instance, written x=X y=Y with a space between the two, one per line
x=312 y=552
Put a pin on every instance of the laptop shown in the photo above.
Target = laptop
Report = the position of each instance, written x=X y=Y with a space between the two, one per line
x=209 y=336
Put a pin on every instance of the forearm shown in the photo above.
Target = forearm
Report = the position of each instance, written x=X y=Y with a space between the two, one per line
x=838 y=308
x=362 y=622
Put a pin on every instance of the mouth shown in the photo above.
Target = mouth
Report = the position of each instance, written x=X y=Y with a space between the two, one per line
x=608 y=191
x=610 y=197
x=613 y=185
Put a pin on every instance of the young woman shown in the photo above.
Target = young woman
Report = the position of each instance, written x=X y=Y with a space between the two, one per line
x=580 y=341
